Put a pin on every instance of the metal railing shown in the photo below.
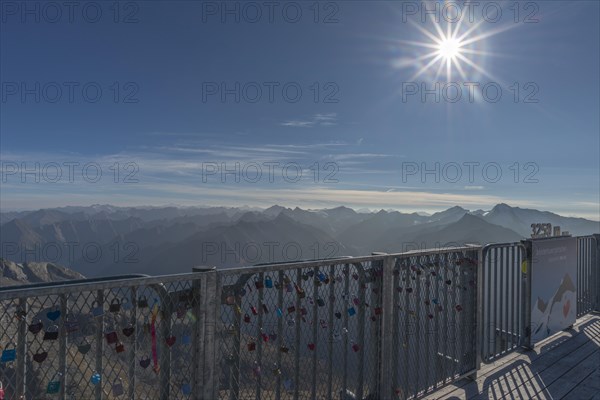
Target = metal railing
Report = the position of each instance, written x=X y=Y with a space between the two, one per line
x=504 y=309
x=588 y=275
x=386 y=326
x=129 y=336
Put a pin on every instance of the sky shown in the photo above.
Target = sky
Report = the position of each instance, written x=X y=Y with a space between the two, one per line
x=309 y=104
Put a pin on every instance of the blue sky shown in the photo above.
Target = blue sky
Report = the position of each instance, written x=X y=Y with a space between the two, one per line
x=173 y=128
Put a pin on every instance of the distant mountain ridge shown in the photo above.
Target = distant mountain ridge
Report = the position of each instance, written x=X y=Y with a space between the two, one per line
x=12 y=273
x=158 y=240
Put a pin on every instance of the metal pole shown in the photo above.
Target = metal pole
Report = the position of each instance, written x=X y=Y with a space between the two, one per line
x=596 y=272
x=22 y=350
x=209 y=308
x=62 y=355
x=100 y=343
x=387 y=333
x=527 y=277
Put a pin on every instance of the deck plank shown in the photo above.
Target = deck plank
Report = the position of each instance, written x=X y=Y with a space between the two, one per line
x=564 y=366
x=562 y=343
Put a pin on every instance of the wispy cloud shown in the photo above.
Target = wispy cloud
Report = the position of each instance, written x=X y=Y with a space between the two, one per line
x=326 y=119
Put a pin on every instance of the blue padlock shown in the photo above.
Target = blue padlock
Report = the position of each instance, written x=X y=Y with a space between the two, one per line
x=96 y=378
x=268 y=282
x=8 y=355
x=186 y=389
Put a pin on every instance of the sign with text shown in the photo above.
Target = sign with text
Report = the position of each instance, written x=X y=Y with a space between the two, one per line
x=553 y=286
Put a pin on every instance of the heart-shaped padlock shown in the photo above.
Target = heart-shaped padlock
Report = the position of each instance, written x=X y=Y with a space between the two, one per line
x=53 y=315
x=128 y=330
x=40 y=356
x=36 y=328
x=84 y=347
x=145 y=362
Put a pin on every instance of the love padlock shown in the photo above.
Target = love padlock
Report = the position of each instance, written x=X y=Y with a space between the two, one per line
x=142 y=302
x=54 y=384
x=268 y=282
x=115 y=306
x=120 y=347
x=300 y=291
x=186 y=388
x=117 y=388
x=95 y=379
x=36 y=328
x=251 y=346
x=97 y=309
x=51 y=333
x=8 y=354
x=71 y=324
x=258 y=283
x=247 y=318
x=84 y=347
x=111 y=337
x=128 y=330
x=40 y=356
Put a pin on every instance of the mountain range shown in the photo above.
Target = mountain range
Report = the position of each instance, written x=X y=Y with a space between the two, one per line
x=105 y=240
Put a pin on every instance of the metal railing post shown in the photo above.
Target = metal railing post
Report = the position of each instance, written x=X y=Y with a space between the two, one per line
x=527 y=272
x=99 y=339
x=21 y=380
x=387 y=333
x=206 y=354
x=596 y=271
x=62 y=354
x=479 y=309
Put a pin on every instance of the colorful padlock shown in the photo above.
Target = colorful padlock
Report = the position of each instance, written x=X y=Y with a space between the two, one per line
x=54 y=384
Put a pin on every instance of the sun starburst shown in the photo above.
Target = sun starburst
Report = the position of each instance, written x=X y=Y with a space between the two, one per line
x=457 y=49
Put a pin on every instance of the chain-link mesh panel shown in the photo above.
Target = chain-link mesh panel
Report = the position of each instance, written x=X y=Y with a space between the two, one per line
x=435 y=300
x=128 y=340
x=299 y=333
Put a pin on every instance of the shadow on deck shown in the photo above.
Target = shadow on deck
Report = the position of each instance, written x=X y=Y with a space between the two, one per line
x=564 y=366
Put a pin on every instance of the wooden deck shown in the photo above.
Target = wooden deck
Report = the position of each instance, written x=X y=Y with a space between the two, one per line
x=565 y=366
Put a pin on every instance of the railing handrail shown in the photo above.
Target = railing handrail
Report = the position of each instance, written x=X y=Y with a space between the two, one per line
x=38 y=285
x=341 y=260
x=61 y=287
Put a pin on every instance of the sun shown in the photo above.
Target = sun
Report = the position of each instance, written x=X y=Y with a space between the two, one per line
x=449 y=48
x=454 y=51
